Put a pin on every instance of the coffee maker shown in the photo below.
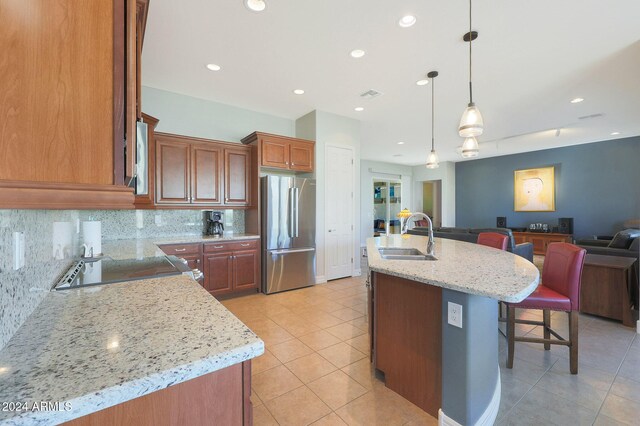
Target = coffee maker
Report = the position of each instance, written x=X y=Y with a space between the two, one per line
x=214 y=224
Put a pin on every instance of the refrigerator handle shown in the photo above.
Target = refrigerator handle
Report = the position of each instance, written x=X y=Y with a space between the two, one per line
x=297 y=210
x=291 y=213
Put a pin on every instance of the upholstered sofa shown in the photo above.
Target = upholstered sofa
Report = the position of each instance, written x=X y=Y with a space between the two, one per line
x=625 y=243
x=470 y=235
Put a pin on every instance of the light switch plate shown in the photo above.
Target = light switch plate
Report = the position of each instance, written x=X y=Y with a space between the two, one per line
x=454 y=315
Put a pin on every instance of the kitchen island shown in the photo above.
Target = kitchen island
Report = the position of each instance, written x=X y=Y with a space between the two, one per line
x=130 y=353
x=450 y=371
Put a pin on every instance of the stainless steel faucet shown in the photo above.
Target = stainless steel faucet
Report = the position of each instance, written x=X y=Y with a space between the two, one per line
x=431 y=247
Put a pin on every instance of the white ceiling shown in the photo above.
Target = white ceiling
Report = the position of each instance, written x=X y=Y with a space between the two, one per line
x=530 y=60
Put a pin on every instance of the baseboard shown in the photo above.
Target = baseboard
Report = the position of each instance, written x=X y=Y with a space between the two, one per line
x=320 y=279
x=489 y=415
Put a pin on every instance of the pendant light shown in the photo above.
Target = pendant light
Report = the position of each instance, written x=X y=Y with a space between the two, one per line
x=470 y=147
x=432 y=161
x=471 y=124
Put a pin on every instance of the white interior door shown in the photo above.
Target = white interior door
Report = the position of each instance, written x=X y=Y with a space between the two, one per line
x=339 y=212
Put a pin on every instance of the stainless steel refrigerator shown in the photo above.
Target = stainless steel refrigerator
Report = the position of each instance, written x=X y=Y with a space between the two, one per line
x=288 y=233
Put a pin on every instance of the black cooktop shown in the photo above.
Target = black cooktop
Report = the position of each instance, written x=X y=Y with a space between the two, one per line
x=107 y=271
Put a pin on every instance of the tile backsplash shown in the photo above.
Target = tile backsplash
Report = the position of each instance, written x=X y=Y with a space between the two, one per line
x=52 y=241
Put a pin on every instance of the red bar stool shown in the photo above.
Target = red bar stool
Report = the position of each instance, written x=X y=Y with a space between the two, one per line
x=493 y=239
x=559 y=291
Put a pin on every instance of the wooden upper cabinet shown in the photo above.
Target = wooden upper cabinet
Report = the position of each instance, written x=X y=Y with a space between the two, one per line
x=282 y=152
x=302 y=156
x=275 y=153
x=65 y=87
x=237 y=167
x=199 y=172
x=206 y=164
x=172 y=172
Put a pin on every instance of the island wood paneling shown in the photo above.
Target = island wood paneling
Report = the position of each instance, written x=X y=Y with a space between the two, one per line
x=408 y=339
x=218 y=398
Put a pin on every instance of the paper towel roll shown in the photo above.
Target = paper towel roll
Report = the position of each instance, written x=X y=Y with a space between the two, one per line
x=92 y=236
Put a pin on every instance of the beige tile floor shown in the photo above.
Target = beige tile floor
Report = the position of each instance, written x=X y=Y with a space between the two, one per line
x=316 y=368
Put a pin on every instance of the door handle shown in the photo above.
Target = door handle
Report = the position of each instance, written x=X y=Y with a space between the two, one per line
x=296 y=193
x=291 y=213
x=291 y=251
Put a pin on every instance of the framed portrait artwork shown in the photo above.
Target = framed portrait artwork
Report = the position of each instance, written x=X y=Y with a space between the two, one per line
x=534 y=190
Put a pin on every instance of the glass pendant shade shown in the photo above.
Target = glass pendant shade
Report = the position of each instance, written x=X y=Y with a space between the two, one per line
x=471 y=124
x=432 y=161
x=470 y=147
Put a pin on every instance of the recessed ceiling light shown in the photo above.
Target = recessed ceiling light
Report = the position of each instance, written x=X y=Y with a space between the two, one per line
x=213 y=67
x=400 y=143
x=397 y=155
x=359 y=109
x=615 y=133
x=576 y=100
x=407 y=21
x=422 y=82
x=299 y=92
x=255 y=5
x=357 y=53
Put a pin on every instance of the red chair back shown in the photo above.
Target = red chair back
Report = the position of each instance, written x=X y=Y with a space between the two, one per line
x=562 y=270
x=493 y=239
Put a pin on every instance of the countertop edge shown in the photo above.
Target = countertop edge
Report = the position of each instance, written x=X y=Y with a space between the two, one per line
x=501 y=297
x=128 y=391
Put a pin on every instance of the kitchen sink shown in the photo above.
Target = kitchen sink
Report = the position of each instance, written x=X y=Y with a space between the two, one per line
x=398 y=253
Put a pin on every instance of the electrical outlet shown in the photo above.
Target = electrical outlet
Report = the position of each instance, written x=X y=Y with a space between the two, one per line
x=454 y=316
x=18 y=250
x=158 y=220
x=364 y=252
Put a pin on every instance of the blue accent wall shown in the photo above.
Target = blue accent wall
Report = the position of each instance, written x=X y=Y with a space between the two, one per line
x=597 y=184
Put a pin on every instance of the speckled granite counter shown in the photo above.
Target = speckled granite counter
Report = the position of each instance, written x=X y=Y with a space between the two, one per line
x=100 y=346
x=465 y=267
x=140 y=248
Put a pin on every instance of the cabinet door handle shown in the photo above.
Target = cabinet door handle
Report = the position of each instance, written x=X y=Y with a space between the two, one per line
x=197 y=260
x=180 y=250
x=218 y=246
x=245 y=245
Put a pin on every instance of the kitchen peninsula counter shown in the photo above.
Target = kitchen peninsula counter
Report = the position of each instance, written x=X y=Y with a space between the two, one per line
x=465 y=267
x=96 y=347
x=434 y=323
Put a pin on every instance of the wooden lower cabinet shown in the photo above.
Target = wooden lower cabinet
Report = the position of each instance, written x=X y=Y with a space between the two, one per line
x=231 y=267
x=218 y=273
x=228 y=266
x=541 y=240
x=245 y=264
x=218 y=398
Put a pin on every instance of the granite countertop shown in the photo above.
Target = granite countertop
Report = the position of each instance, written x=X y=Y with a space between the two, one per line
x=100 y=346
x=461 y=266
x=140 y=248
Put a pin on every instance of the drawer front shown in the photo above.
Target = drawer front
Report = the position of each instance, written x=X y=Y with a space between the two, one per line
x=231 y=245
x=180 y=249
